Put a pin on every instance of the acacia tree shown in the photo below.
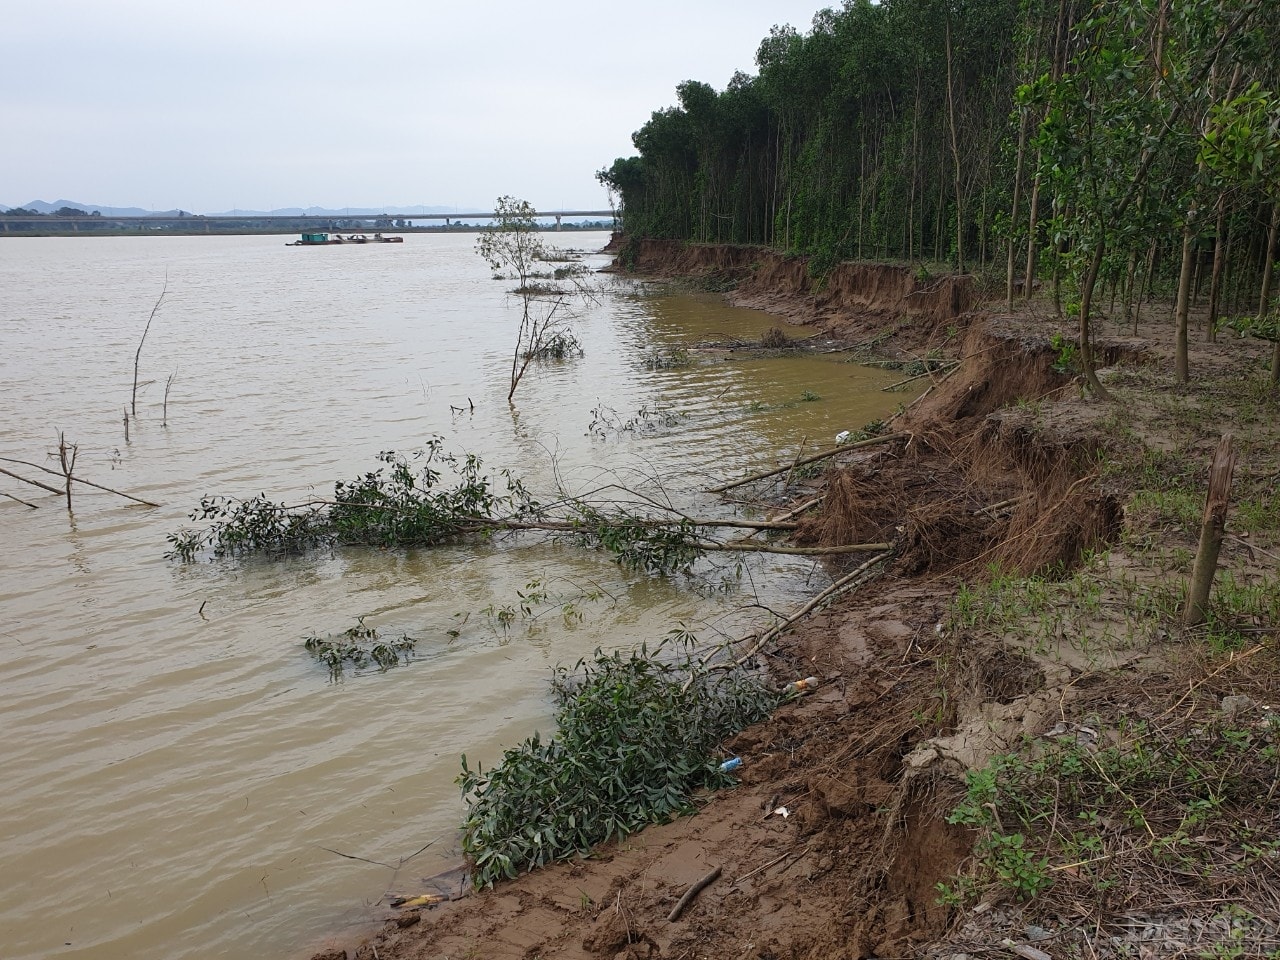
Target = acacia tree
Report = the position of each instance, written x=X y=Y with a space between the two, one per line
x=512 y=243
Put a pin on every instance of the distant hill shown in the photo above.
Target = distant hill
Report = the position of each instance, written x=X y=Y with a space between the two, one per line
x=342 y=211
x=40 y=206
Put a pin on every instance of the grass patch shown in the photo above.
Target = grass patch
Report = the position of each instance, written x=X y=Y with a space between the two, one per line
x=1165 y=812
x=1099 y=609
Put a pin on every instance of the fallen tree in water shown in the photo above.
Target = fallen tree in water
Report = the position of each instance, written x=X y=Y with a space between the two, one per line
x=435 y=498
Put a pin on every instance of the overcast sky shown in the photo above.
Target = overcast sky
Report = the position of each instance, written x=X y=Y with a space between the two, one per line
x=213 y=105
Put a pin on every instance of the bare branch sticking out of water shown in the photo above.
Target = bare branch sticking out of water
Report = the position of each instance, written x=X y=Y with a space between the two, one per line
x=164 y=410
x=133 y=402
x=67 y=460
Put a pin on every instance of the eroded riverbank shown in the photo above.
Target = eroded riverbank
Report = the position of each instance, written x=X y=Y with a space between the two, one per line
x=1041 y=542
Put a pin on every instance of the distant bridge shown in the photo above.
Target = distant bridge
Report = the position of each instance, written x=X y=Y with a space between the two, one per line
x=193 y=222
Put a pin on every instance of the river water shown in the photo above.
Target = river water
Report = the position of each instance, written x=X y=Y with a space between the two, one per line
x=180 y=779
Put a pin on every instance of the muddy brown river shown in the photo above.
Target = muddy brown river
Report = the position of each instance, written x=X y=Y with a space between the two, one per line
x=180 y=778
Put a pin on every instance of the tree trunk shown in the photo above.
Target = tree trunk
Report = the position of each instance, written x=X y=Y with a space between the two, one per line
x=1131 y=272
x=1181 y=366
x=1264 y=298
x=1268 y=263
x=1013 y=210
x=1219 y=260
x=955 y=152
x=1211 y=529
x=1086 y=343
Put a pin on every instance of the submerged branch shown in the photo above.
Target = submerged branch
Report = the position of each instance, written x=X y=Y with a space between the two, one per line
x=25 y=503
x=34 y=483
x=87 y=483
x=826 y=454
x=742 y=546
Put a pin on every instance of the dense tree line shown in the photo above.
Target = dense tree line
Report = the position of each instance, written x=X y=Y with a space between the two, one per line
x=1105 y=147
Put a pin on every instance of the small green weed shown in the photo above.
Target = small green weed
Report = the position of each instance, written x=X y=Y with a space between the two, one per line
x=538 y=600
x=606 y=421
x=1180 y=801
x=357 y=648
x=1064 y=353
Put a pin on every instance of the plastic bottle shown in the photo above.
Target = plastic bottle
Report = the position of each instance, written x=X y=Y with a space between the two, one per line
x=733 y=763
x=797 y=687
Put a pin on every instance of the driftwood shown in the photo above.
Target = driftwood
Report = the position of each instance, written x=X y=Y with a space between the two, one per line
x=854 y=578
x=849 y=581
x=826 y=454
x=792 y=514
x=784 y=518
x=937 y=383
x=795 y=462
x=87 y=483
x=67 y=453
x=1211 y=530
x=692 y=892
x=995 y=508
x=918 y=376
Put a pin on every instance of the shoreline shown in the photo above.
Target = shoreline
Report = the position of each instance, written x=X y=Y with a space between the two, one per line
x=1004 y=467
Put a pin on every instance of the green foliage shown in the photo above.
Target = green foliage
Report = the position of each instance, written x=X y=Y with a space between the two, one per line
x=536 y=602
x=1265 y=327
x=512 y=241
x=838 y=147
x=1065 y=353
x=638 y=735
x=400 y=506
x=638 y=543
x=1242 y=142
x=357 y=648
x=562 y=345
x=403 y=503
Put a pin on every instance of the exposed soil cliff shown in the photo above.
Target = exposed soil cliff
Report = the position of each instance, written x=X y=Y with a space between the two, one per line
x=901 y=309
